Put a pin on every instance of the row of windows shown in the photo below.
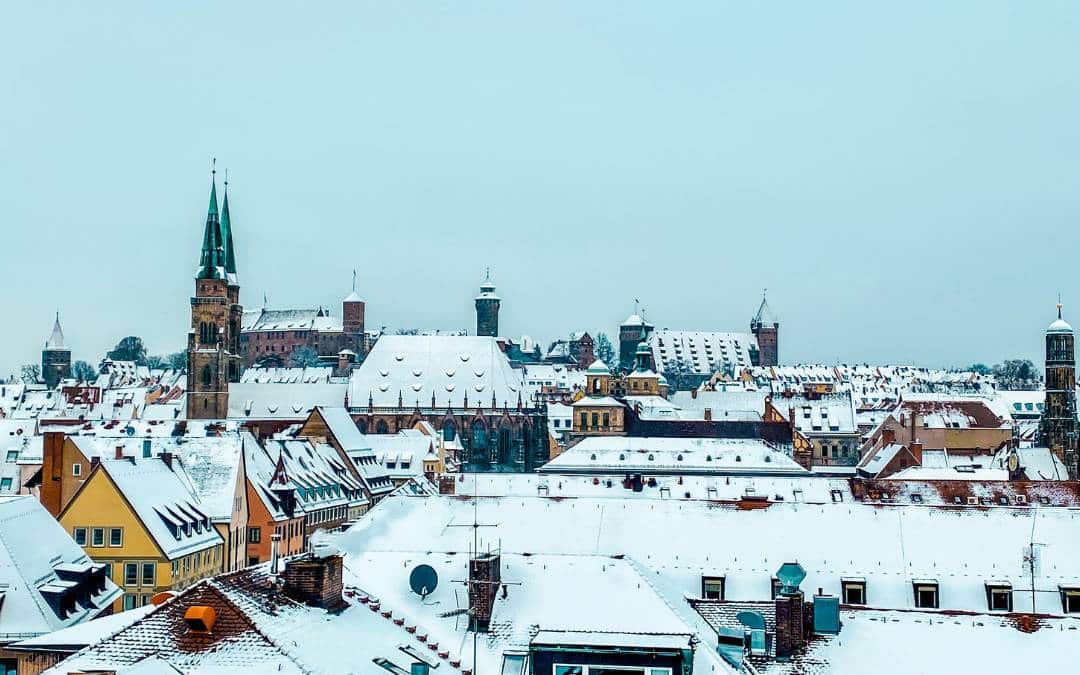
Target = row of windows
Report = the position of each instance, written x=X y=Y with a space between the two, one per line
x=925 y=594
x=182 y=567
x=326 y=515
x=598 y=421
x=140 y=574
x=115 y=536
x=133 y=600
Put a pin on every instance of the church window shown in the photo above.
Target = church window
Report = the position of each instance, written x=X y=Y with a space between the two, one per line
x=479 y=436
x=381 y=427
x=207 y=376
x=449 y=431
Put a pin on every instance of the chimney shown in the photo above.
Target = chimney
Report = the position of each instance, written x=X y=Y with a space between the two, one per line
x=693 y=393
x=916 y=451
x=447 y=486
x=790 y=624
x=888 y=437
x=52 y=472
x=485 y=574
x=119 y=452
x=708 y=414
x=275 y=540
x=314 y=580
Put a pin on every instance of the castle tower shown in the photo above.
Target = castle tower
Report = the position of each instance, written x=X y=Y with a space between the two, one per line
x=1058 y=429
x=632 y=332
x=766 y=329
x=214 y=338
x=352 y=319
x=56 y=357
x=487 y=309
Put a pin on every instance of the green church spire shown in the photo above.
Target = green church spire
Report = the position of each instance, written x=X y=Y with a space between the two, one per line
x=226 y=234
x=212 y=260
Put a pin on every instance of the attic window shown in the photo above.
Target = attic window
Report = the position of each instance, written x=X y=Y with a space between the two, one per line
x=1070 y=599
x=853 y=591
x=999 y=596
x=712 y=588
x=926 y=594
x=837 y=495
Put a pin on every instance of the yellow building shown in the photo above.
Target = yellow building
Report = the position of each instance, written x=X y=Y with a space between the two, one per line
x=141 y=519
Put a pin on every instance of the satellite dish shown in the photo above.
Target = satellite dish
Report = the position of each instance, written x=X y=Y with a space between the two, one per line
x=423 y=580
x=1014 y=462
x=752 y=620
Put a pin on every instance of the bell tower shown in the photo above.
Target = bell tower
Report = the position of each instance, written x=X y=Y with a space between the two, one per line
x=214 y=338
x=1058 y=429
x=487 y=308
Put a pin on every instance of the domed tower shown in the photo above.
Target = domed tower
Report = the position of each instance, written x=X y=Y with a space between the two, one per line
x=214 y=338
x=56 y=357
x=487 y=308
x=766 y=329
x=1058 y=427
x=632 y=332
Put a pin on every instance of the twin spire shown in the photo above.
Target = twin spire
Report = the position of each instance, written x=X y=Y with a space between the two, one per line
x=218 y=259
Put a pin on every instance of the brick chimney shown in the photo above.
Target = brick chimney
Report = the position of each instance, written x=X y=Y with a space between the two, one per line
x=52 y=471
x=119 y=452
x=314 y=581
x=447 y=485
x=916 y=451
x=790 y=624
x=693 y=393
x=708 y=414
x=485 y=575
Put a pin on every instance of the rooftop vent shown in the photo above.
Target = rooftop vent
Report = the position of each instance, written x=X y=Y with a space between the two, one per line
x=200 y=618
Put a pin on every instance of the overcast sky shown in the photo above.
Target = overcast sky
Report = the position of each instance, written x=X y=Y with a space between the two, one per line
x=904 y=179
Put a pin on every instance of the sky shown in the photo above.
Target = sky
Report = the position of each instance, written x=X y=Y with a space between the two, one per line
x=902 y=178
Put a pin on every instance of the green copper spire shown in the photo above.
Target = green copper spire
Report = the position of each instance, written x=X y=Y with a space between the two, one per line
x=212 y=260
x=226 y=234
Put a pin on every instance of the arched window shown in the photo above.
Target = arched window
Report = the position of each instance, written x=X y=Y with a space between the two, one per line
x=207 y=376
x=381 y=427
x=479 y=440
x=504 y=444
x=362 y=426
x=449 y=430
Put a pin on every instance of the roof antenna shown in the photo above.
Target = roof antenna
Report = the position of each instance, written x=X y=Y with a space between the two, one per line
x=354 y=281
x=1059 y=305
x=213 y=166
x=487 y=273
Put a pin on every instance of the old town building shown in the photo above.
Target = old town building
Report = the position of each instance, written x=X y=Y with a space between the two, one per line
x=766 y=330
x=1058 y=429
x=56 y=357
x=464 y=386
x=269 y=337
x=214 y=339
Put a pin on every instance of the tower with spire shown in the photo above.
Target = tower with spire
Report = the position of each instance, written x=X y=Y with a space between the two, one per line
x=214 y=338
x=56 y=357
x=1058 y=428
x=766 y=329
x=487 y=308
x=352 y=320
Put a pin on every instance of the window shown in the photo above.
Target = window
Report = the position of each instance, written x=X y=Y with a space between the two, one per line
x=853 y=591
x=5 y=483
x=76 y=469
x=607 y=421
x=712 y=588
x=97 y=537
x=254 y=535
x=1070 y=600
x=108 y=570
x=80 y=536
x=131 y=574
x=148 y=574
x=999 y=597
x=584 y=420
x=926 y=594
x=776 y=587
x=12 y=455
x=129 y=601
x=116 y=537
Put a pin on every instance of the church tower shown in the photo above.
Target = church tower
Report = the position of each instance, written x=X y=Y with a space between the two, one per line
x=766 y=329
x=487 y=309
x=1058 y=429
x=56 y=357
x=214 y=338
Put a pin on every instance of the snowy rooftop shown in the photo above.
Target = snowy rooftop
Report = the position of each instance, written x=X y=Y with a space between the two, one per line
x=259 y=401
x=702 y=352
x=413 y=369
x=615 y=454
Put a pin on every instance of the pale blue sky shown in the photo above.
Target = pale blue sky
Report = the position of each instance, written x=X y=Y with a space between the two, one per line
x=904 y=178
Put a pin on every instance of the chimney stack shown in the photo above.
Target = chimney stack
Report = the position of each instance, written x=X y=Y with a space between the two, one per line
x=315 y=581
x=916 y=451
x=275 y=540
x=119 y=452
x=708 y=414
x=485 y=575
x=52 y=472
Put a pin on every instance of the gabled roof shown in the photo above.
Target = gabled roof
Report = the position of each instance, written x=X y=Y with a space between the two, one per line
x=33 y=547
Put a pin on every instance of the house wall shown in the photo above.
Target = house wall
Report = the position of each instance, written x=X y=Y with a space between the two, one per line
x=59 y=483
x=291 y=531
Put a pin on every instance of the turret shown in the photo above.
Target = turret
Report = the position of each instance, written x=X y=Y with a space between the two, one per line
x=56 y=357
x=766 y=329
x=1058 y=428
x=487 y=308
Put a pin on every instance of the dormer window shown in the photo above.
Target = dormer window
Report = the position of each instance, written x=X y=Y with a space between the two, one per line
x=926 y=594
x=999 y=596
x=712 y=588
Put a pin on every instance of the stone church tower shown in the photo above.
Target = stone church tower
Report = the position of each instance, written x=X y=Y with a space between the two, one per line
x=56 y=357
x=487 y=309
x=1058 y=429
x=766 y=329
x=214 y=338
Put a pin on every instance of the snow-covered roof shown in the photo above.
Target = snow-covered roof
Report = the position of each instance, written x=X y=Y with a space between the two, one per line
x=359 y=448
x=621 y=454
x=701 y=352
x=413 y=368
x=888 y=545
x=1059 y=326
x=287 y=375
x=259 y=401
x=315 y=319
x=163 y=499
x=91 y=632
x=34 y=552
